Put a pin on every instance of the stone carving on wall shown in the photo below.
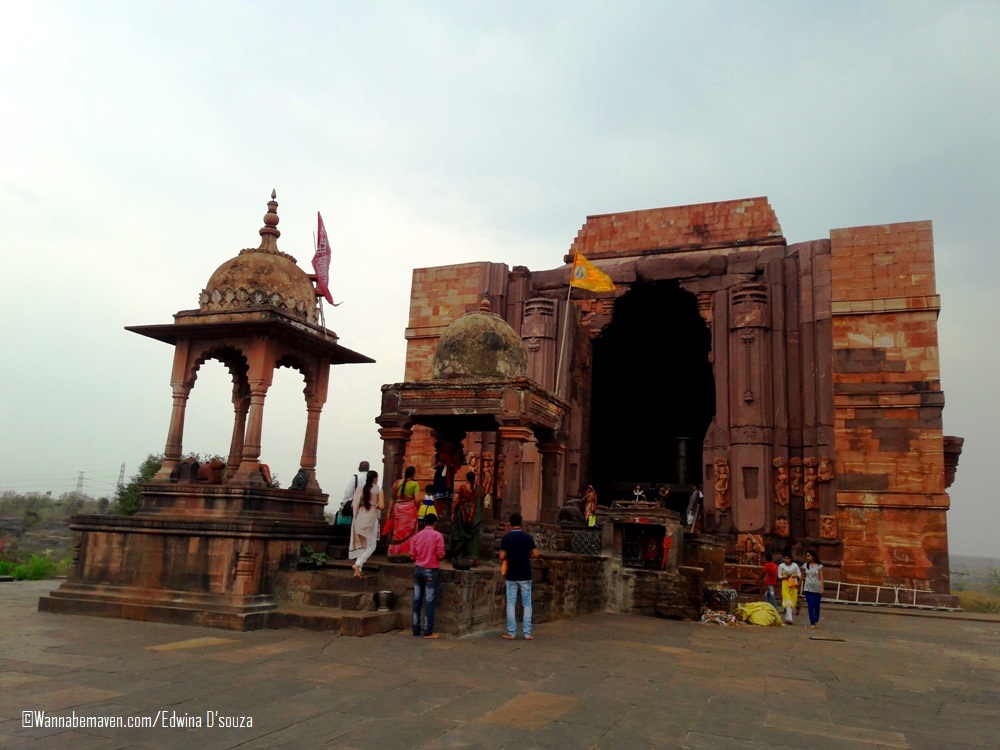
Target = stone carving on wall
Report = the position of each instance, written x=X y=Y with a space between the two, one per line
x=750 y=549
x=722 y=483
x=596 y=314
x=809 y=482
x=482 y=466
x=795 y=476
x=705 y=307
x=952 y=453
x=781 y=527
x=715 y=437
x=827 y=527
x=825 y=473
x=780 y=465
x=538 y=331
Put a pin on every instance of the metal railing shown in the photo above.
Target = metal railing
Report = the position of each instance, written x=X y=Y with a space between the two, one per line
x=892 y=598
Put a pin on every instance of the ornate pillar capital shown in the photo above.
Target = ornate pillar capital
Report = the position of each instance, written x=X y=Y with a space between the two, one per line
x=395 y=433
x=515 y=432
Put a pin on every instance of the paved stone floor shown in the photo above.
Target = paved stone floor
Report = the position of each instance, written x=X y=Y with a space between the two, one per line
x=603 y=681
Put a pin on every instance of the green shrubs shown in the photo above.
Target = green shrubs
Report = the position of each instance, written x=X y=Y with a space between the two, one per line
x=979 y=601
x=35 y=568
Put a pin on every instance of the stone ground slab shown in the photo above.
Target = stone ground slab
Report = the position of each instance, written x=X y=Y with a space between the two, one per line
x=602 y=681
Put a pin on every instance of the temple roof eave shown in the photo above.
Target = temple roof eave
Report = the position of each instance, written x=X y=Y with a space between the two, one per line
x=194 y=325
x=475 y=402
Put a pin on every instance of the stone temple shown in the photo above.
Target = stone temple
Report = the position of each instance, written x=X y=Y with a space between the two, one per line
x=797 y=385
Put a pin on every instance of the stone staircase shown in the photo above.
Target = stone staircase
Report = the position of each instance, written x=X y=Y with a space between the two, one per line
x=331 y=599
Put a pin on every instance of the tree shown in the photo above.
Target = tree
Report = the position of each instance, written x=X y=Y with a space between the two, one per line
x=128 y=499
x=72 y=502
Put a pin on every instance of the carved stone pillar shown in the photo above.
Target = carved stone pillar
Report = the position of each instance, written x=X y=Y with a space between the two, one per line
x=249 y=471
x=308 y=461
x=552 y=460
x=751 y=416
x=241 y=404
x=394 y=440
x=261 y=364
x=538 y=331
x=175 y=434
x=315 y=398
x=511 y=440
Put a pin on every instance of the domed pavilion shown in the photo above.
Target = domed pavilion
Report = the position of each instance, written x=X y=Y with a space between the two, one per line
x=208 y=540
x=480 y=383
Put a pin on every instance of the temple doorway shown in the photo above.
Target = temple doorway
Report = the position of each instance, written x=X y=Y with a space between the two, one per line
x=653 y=392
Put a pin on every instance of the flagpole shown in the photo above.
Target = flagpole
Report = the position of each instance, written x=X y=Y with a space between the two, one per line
x=562 y=341
x=319 y=299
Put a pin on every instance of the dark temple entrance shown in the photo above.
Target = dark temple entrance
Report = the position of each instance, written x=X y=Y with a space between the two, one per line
x=652 y=387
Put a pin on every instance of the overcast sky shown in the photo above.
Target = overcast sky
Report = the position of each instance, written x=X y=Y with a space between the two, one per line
x=141 y=141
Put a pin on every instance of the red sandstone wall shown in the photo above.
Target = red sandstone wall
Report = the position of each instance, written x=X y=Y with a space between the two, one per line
x=887 y=400
x=738 y=222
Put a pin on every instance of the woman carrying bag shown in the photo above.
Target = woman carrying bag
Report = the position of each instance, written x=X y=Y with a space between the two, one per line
x=789 y=574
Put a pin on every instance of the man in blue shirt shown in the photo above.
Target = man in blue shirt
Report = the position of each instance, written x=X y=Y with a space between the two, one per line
x=517 y=548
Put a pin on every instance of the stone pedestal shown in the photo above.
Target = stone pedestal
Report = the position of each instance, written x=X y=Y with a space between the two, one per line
x=193 y=555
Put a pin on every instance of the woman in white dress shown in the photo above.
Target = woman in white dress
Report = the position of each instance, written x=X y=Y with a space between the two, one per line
x=364 y=527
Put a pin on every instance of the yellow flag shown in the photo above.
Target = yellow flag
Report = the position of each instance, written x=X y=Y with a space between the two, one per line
x=585 y=275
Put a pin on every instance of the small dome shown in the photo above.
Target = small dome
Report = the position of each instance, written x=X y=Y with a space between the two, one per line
x=480 y=346
x=262 y=277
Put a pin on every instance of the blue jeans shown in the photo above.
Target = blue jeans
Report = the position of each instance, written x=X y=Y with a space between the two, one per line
x=425 y=587
x=512 y=588
x=769 y=596
x=813 y=599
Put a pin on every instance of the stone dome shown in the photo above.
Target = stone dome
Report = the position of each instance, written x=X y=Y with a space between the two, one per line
x=262 y=277
x=480 y=346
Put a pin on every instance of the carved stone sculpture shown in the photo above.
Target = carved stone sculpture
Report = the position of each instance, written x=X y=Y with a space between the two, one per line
x=211 y=472
x=795 y=476
x=809 y=482
x=781 y=527
x=750 y=549
x=300 y=481
x=570 y=512
x=722 y=483
x=780 y=465
x=827 y=527
x=825 y=470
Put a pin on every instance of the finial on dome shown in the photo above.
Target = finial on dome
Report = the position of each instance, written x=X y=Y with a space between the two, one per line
x=269 y=233
x=484 y=306
x=271 y=217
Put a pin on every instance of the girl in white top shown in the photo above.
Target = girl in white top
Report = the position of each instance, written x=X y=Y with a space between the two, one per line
x=812 y=587
x=789 y=575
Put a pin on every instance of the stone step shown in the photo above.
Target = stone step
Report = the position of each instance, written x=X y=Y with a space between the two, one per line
x=337 y=552
x=346 y=567
x=347 y=583
x=357 y=624
x=352 y=601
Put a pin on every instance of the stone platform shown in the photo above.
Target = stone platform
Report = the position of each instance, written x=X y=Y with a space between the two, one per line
x=194 y=554
x=603 y=681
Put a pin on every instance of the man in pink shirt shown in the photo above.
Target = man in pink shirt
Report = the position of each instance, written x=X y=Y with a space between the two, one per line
x=427 y=550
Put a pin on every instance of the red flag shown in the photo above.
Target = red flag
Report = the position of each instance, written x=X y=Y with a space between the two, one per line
x=321 y=261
